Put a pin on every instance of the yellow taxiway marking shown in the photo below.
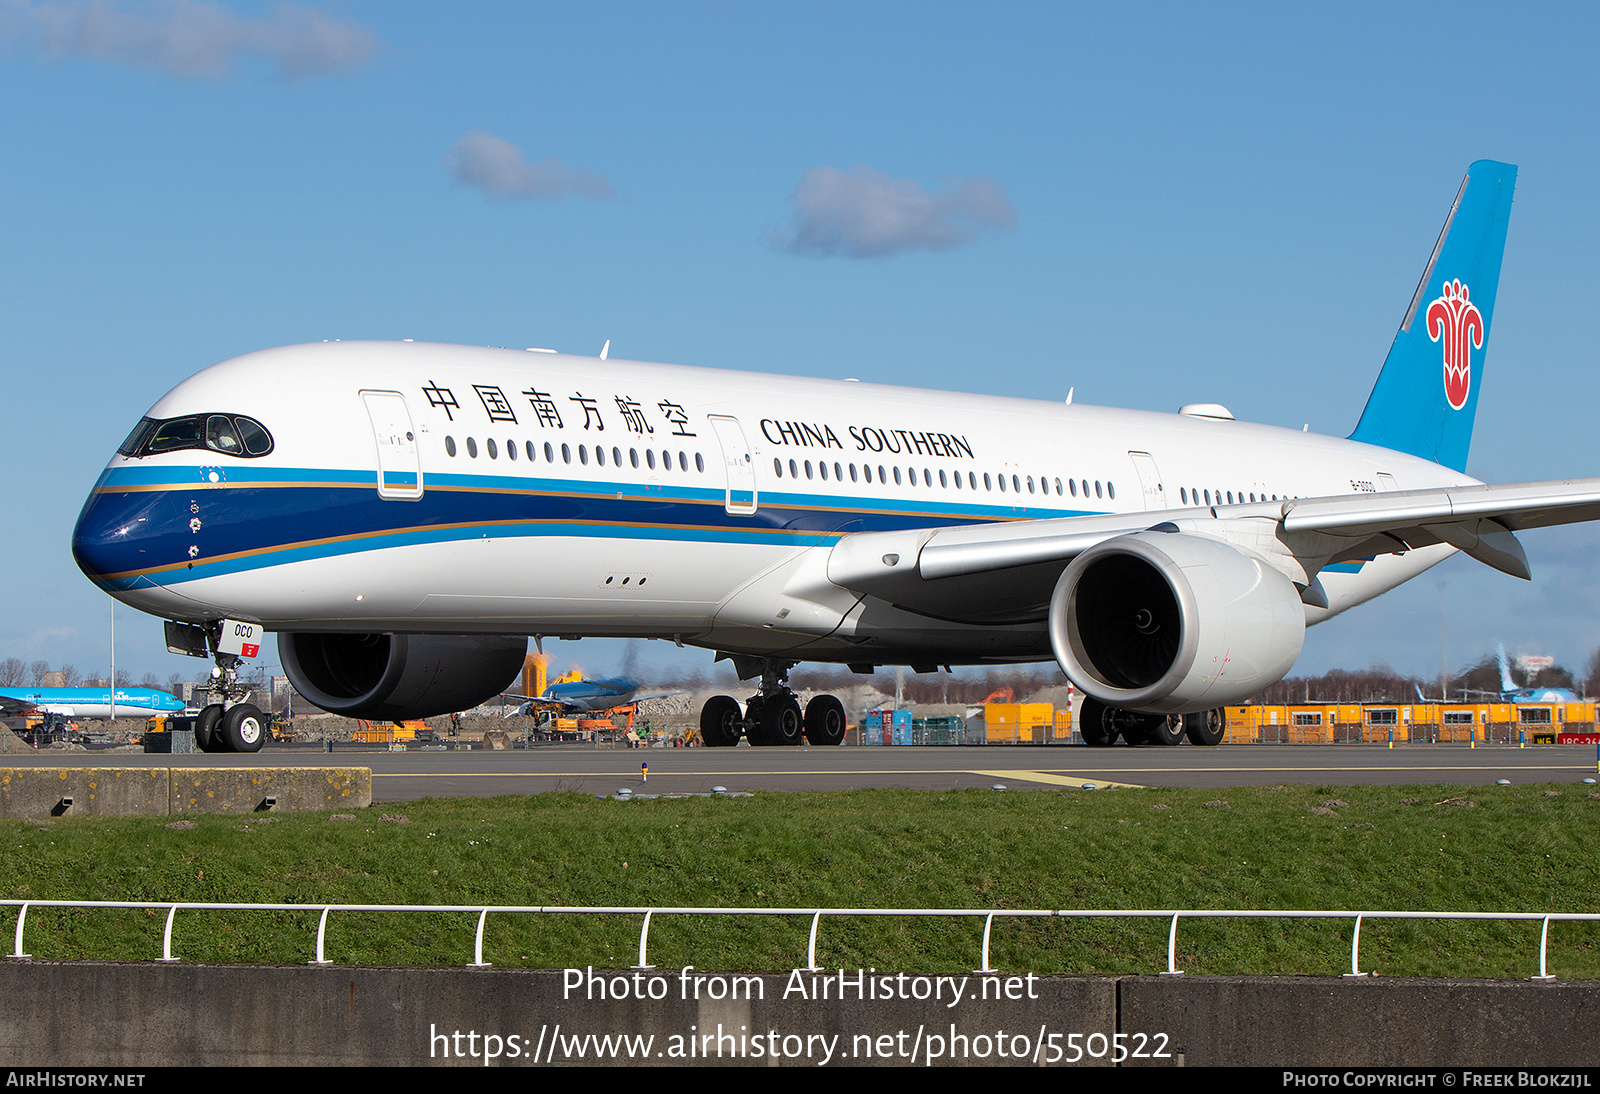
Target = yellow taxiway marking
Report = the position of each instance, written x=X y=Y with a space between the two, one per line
x=1074 y=781
x=1029 y=776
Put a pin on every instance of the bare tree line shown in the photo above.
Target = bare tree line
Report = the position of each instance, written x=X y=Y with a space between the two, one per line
x=16 y=673
x=1381 y=684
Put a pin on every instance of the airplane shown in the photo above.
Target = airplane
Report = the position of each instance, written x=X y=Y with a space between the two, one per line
x=87 y=702
x=586 y=696
x=404 y=515
x=1510 y=693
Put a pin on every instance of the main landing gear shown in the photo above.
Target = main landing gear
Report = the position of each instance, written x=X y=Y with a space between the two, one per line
x=1101 y=725
x=772 y=716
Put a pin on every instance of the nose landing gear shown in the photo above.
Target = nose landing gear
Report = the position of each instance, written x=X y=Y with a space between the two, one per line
x=229 y=723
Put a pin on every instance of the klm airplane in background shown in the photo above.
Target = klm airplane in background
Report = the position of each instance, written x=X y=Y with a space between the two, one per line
x=88 y=702
x=405 y=515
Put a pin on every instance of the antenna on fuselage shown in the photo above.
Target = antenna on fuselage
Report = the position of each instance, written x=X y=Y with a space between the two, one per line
x=605 y=350
x=1070 y=390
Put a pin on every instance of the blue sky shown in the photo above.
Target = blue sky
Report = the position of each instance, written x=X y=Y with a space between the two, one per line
x=1152 y=204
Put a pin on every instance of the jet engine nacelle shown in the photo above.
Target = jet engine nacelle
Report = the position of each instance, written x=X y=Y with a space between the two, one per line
x=1174 y=623
x=393 y=677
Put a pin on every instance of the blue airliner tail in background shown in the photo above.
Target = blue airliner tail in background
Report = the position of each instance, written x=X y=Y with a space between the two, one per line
x=1427 y=393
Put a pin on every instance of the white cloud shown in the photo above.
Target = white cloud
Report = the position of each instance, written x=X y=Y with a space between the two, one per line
x=49 y=636
x=497 y=167
x=863 y=213
x=187 y=38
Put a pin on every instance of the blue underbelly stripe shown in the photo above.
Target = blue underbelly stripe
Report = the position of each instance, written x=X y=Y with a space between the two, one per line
x=135 y=529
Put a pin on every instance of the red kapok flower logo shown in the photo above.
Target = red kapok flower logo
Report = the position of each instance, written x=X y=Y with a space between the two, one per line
x=1455 y=322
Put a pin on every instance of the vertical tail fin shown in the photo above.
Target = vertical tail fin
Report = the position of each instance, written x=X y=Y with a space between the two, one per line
x=1427 y=394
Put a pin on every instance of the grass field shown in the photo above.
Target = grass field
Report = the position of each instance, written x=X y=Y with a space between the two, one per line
x=1526 y=848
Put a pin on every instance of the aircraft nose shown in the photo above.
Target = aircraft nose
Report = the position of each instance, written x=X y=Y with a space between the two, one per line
x=120 y=537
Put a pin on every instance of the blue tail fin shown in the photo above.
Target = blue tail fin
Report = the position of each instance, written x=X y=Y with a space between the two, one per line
x=1427 y=394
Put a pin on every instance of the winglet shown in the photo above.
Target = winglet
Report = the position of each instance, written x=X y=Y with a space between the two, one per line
x=1427 y=394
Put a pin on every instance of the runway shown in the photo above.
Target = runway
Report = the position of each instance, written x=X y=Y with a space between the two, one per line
x=407 y=776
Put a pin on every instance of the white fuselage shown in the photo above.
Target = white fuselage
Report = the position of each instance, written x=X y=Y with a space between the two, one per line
x=462 y=490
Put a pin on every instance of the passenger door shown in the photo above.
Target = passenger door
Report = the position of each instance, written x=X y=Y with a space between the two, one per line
x=738 y=464
x=399 y=461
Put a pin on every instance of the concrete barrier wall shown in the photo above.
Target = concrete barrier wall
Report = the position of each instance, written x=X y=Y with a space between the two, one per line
x=161 y=791
x=87 y=1014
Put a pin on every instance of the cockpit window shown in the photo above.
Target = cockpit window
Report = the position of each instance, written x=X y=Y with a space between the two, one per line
x=227 y=434
x=131 y=446
x=257 y=441
x=221 y=436
x=170 y=436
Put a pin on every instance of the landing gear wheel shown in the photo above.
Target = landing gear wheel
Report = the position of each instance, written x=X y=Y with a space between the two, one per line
x=243 y=728
x=1204 y=728
x=825 y=721
x=1164 y=729
x=779 y=721
x=1097 y=723
x=719 y=722
x=206 y=738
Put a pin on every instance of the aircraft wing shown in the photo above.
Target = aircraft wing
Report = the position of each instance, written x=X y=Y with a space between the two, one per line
x=539 y=703
x=590 y=705
x=12 y=707
x=1005 y=572
x=643 y=695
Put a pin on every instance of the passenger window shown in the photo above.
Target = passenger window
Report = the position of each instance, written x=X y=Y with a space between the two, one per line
x=472 y=448
x=777 y=467
x=494 y=449
x=699 y=463
x=566 y=454
x=449 y=446
x=650 y=458
x=599 y=456
x=530 y=450
x=511 y=449
x=583 y=454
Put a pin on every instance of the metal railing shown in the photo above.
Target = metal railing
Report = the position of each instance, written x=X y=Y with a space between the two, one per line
x=483 y=911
